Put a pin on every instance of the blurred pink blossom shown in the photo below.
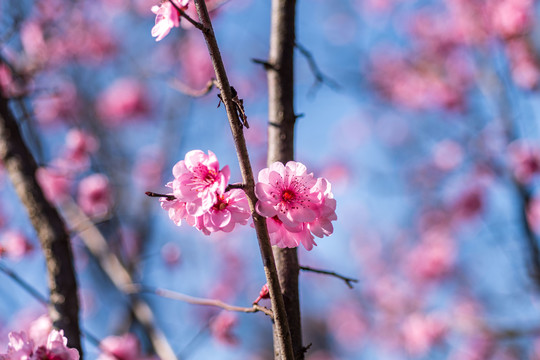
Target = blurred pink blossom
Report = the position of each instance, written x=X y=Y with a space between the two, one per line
x=125 y=347
x=123 y=101
x=171 y=254
x=94 y=195
x=198 y=181
x=523 y=63
x=433 y=258
x=54 y=183
x=422 y=331
x=512 y=17
x=57 y=106
x=524 y=159
x=347 y=323
x=15 y=244
x=469 y=203
x=78 y=148
x=221 y=327
x=447 y=155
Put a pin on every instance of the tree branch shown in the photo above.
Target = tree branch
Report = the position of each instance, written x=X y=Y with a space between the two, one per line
x=117 y=273
x=187 y=90
x=278 y=306
x=49 y=226
x=320 y=78
x=347 y=280
x=137 y=289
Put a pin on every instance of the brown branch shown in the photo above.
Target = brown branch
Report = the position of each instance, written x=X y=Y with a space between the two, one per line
x=282 y=118
x=117 y=273
x=137 y=289
x=153 y=194
x=49 y=226
x=347 y=280
x=187 y=90
x=281 y=326
x=235 y=186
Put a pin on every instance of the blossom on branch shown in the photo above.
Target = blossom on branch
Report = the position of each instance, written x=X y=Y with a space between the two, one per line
x=297 y=204
x=198 y=181
x=167 y=17
x=21 y=347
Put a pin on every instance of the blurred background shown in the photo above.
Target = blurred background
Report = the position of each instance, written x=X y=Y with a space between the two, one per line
x=422 y=114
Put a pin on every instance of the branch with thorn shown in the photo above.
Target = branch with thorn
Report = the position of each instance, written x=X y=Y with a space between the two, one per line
x=347 y=280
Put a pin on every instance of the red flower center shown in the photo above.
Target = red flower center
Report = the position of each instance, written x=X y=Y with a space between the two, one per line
x=287 y=195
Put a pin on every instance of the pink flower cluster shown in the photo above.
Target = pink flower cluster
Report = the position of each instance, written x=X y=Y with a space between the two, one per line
x=200 y=197
x=125 y=347
x=21 y=347
x=167 y=17
x=296 y=204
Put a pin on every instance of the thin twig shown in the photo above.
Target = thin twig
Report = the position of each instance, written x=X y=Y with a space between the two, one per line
x=153 y=194
x=138 y=289
x=198 y=25
x=320 y=77
x=235 y=186
x=347 y=280
x=187 y=90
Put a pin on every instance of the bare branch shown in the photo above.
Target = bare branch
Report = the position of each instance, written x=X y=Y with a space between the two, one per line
x=174 y=295
x=347 y=280
x=50 y=228
x=187 y=90
x=320 y=78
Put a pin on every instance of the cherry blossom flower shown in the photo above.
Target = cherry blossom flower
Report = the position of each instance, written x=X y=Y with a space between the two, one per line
x=21 y=347
x=198 y=181
x=420 y=332
x=94 y=195
x=121 y=347
x=296 y=204
x=55 y=184
x=221 y=327
x=167 y=17
x=124 y=100
x=15 y=244
x=175 y=208
x=524 y=160
x=287 y=191
x=230 y=209
x=79 y=145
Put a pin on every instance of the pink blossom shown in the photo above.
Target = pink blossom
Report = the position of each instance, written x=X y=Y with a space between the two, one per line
x=20 y=347
x=287 y=191
x=533 y=214
x=171 y=254
x=524 y=160
x=175 y=208
x=523 y=63
x=198 y=181
x=469 y=203
x=79 y=145
x=433 y=258
x=55 y=184
x=125 y=347
x=94 y=196
x=167 y=17
x=230 y=209
x=420 y=332
x=124 y=100
x=221 y=327
x=296 y=204
x=283 y=237
x=15 y=244
x=512 y=17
